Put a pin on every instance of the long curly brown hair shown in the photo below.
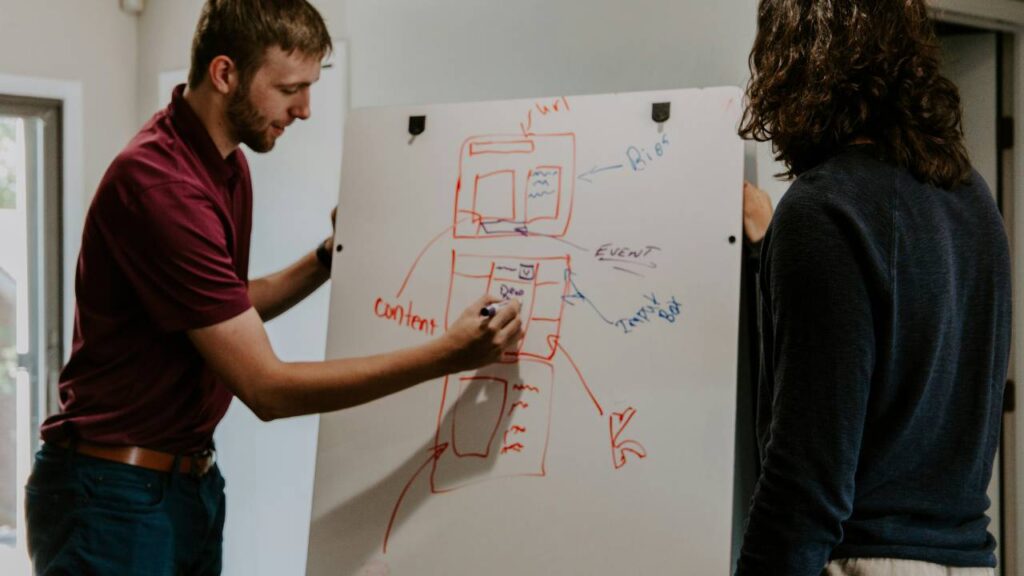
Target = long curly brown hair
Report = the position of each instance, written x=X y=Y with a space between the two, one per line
x=827 y=73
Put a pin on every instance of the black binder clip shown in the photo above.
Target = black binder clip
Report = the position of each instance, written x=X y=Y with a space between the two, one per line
x=417 y=124
x=660 y=113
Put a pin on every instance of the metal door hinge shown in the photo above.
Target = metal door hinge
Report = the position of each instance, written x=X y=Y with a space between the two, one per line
x=1005 y=133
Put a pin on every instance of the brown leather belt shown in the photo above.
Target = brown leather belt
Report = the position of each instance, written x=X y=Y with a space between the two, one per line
x=197 y=464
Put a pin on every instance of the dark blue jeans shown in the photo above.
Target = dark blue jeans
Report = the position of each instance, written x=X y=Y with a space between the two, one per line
x=90 y=516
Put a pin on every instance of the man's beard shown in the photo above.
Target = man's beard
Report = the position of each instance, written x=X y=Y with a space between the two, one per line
x=247 y=124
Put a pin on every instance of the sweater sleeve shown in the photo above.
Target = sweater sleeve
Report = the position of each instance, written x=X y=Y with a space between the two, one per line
x=820 y=351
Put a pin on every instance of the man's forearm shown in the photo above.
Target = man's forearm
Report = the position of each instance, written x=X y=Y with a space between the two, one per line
x=274 y=294
x=302 y=388
x=238 y=350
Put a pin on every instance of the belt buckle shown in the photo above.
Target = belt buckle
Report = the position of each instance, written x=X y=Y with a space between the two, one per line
x=202 y=462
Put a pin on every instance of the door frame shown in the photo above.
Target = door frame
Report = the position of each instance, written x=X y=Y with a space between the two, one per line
x=69 y=94
x=1006 y=16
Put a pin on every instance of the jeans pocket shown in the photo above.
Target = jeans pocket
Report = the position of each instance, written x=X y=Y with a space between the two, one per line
x=48 y=518
x=122 y=487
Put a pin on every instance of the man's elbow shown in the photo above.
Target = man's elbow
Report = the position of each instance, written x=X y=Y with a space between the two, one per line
x=262 y=397
x=265 y=412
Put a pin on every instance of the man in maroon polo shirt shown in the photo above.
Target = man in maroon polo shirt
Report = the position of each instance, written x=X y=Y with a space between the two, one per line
x=169 y=327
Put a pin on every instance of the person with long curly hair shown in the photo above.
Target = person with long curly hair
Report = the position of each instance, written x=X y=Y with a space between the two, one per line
x=886 y=294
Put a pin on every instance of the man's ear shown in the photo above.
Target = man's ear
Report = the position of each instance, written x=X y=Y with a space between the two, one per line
x=223 y=74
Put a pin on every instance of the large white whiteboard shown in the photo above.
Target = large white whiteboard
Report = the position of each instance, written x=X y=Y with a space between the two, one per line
x=606 y=446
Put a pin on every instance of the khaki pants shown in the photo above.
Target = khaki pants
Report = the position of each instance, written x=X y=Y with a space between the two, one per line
x=894 y=567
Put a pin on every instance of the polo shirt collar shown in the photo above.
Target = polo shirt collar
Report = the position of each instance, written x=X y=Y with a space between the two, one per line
x=198 y=138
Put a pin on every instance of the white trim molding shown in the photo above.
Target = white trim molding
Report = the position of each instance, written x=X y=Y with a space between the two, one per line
x=1018 y=300
x=69 y=93
x=1007 y=15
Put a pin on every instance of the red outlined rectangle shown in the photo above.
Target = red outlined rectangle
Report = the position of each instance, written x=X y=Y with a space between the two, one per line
x=518 y=447
x=502 y=147
x=494 y=195
x=471 y=443
x=542 y=203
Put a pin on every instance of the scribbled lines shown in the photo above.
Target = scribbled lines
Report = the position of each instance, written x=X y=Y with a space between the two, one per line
x=621 y=447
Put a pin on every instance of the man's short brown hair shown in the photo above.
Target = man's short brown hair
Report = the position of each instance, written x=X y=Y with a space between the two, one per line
x=243 y=30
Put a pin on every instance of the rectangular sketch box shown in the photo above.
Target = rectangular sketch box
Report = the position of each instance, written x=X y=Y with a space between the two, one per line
x=540 y=284
x=515 y=185
x=494 y=423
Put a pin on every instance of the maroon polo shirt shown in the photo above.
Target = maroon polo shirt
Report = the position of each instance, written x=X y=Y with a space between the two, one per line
x=165 y=249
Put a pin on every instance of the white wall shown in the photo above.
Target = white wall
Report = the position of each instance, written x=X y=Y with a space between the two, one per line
x=432 y=51
x=452 y=50
x=165 y=42
x=89 y=41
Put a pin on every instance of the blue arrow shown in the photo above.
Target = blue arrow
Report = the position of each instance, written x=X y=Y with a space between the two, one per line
x=595 y=170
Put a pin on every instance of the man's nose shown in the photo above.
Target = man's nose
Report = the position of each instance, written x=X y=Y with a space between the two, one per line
x=301 y=109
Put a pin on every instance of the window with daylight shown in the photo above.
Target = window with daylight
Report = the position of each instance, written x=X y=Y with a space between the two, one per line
x=30 y=298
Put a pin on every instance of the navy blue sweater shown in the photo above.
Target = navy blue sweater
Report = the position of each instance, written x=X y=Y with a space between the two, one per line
x=885 y=329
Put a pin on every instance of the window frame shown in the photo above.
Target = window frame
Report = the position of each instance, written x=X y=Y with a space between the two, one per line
x=43 y=120
x=70 y=209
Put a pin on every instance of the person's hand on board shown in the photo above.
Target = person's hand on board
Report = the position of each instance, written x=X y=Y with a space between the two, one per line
x=475 y=339
x=757 y=212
